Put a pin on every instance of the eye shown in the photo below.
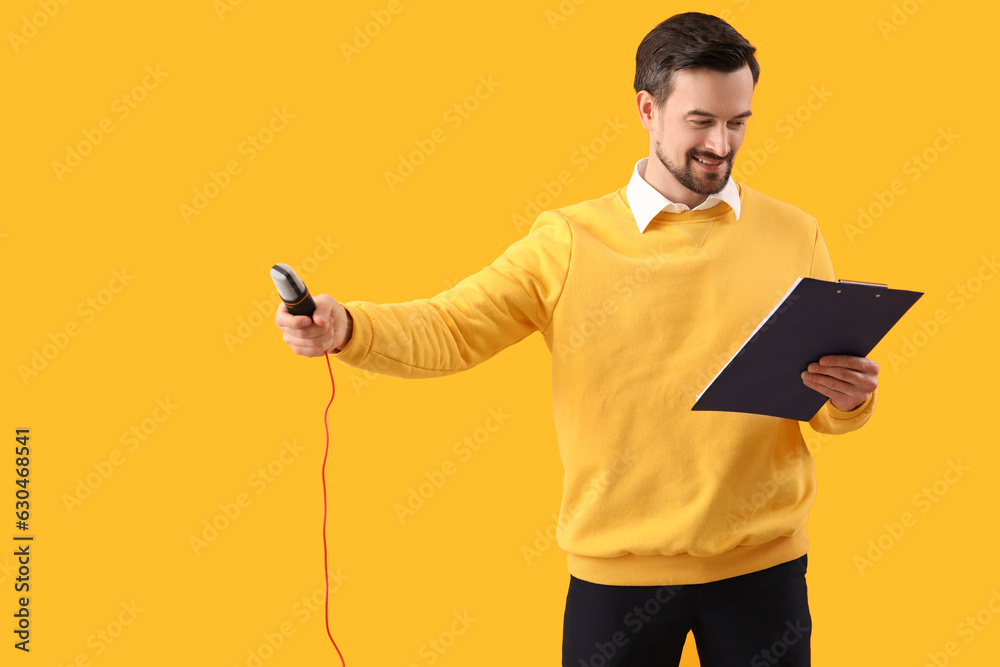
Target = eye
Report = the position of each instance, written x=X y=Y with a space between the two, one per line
x=738 y=123
x=703 y=122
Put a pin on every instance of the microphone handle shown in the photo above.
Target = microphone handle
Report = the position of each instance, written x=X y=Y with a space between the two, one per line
x=304 y=306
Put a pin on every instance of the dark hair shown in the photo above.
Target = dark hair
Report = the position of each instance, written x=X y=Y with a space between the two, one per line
x=686 y=41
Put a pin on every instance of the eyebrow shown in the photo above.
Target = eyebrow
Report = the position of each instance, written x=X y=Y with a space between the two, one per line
x=699 y=112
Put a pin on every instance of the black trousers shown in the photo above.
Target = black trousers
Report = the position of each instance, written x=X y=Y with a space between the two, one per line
x=759 y=619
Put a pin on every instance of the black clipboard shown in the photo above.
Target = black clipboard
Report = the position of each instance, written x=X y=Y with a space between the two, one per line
x=814 y=318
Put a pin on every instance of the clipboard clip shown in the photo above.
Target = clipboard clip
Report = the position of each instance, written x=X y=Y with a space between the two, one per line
x=858 y=282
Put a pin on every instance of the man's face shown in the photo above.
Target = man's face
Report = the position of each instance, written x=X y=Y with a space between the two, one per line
x=701 y=126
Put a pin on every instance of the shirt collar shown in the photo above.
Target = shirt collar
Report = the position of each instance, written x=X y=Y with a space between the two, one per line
x=646 y=201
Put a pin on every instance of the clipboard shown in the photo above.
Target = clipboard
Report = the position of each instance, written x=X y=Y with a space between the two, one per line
x=815 y=318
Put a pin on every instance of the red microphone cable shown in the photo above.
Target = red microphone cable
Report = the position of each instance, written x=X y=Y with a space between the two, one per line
x=326 y=574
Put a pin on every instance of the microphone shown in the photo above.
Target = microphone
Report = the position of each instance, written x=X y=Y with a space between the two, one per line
x=296 y=297
x=292 y=290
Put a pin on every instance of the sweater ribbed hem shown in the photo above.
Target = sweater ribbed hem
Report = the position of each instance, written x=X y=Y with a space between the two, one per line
x=633 y=570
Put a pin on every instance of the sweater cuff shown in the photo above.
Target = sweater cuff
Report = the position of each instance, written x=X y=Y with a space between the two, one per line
x=360 y=344
x=837 y=413
x=834 y=421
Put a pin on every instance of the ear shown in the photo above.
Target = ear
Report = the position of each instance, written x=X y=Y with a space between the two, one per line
x=648 y=113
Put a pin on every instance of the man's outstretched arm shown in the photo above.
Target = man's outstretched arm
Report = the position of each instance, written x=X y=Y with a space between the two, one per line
x=453 y=330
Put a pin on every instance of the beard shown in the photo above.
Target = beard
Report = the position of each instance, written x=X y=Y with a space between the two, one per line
x=708 y=184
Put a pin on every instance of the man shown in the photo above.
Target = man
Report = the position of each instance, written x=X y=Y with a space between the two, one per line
x=673 y=520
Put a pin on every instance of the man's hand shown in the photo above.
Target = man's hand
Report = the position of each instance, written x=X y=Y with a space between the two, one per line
x=328 y=330
x=847 y=380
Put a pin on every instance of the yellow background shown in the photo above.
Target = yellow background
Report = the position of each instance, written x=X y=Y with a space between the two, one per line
x=316 y=197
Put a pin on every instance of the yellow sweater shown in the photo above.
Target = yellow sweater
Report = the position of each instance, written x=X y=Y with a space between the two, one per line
x=638 y=324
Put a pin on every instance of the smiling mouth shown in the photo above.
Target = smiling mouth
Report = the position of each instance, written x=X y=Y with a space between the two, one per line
x=710 y=163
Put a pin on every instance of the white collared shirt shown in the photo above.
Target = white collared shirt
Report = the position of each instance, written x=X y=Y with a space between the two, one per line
x=646 y=201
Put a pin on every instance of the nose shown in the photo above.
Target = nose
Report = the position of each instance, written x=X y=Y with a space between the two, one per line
x=718 y=141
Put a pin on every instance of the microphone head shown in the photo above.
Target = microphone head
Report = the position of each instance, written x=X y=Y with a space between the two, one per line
x=290 y=286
